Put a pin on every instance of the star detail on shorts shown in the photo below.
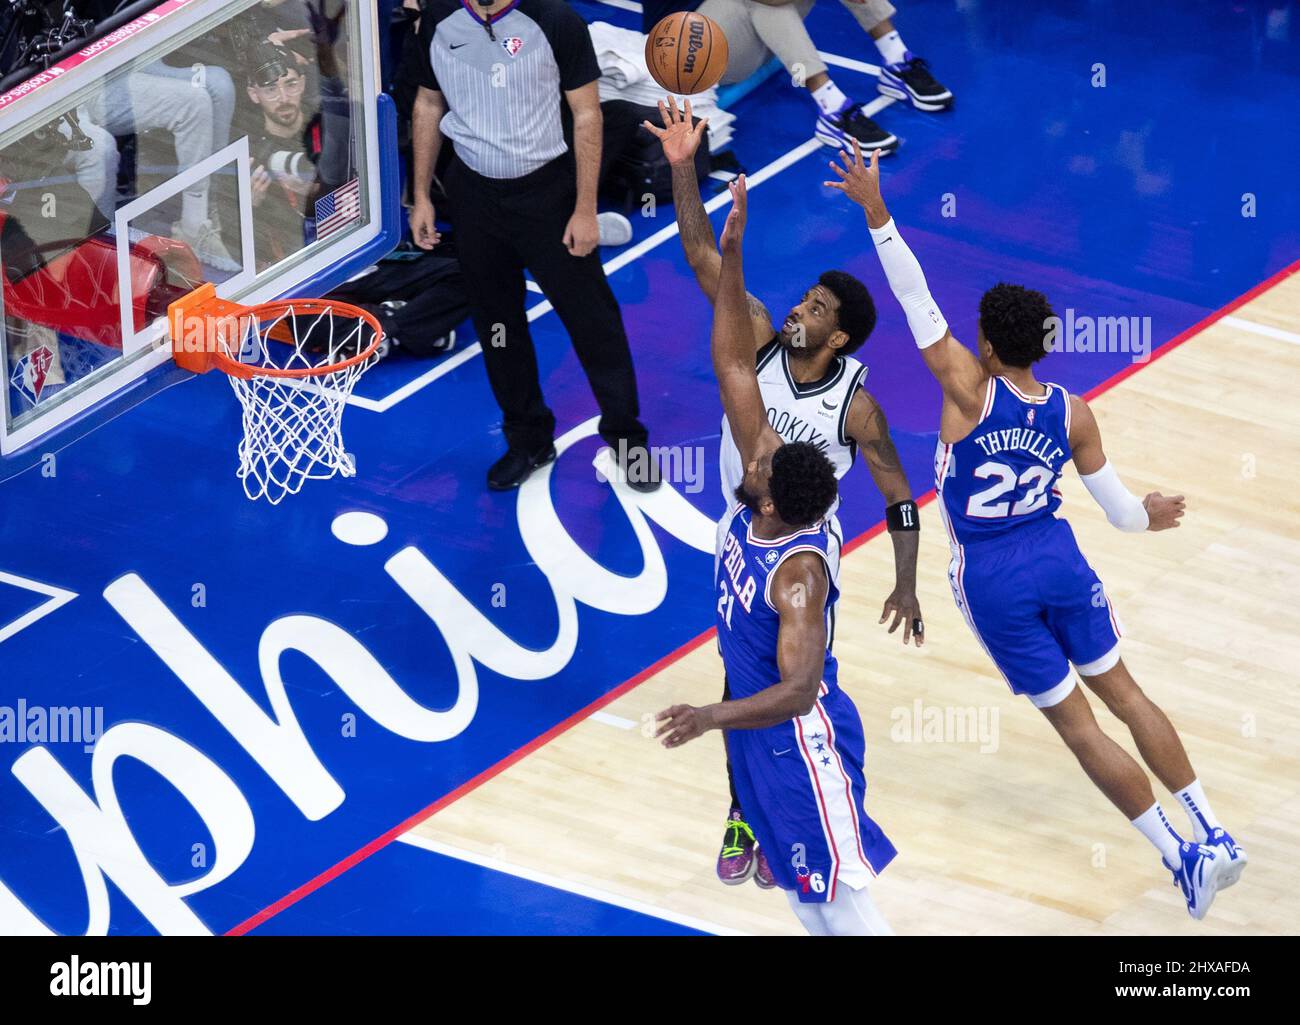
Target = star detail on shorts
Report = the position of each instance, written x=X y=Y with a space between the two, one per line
x=826 y=761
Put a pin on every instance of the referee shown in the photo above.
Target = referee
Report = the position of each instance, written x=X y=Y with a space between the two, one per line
x=495 y=78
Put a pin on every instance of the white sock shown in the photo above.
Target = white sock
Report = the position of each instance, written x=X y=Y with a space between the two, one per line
x=194 y=210
x=891 y=48
x=829 y=98
x=1197 y=806
x=1155 y=827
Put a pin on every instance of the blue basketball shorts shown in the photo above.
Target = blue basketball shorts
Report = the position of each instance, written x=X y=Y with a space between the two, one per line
x=1037 y=607
x=802 y=788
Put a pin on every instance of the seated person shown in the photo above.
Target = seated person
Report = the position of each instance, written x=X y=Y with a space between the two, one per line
x=757 y=29
x=300 y=150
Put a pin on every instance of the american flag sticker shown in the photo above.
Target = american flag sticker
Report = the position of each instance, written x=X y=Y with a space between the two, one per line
x=339 y=209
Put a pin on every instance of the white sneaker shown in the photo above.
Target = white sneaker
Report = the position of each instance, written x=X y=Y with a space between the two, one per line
x=1232 y=851
x=209 y=247
x=615 y=229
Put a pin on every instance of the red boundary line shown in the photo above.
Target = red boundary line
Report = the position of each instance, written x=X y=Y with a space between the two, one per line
x=492 y=771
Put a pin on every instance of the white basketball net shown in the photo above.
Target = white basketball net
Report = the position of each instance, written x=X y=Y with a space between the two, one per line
x=293 y=425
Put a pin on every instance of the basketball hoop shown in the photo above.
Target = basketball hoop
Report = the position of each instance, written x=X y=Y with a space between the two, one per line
x=293 y=365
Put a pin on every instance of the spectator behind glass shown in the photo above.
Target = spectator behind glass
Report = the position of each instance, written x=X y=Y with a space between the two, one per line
x=300 y=150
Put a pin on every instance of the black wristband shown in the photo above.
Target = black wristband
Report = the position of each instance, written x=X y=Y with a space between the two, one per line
x=903 y=516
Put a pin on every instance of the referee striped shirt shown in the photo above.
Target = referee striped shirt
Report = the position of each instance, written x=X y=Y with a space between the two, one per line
x=503 y=78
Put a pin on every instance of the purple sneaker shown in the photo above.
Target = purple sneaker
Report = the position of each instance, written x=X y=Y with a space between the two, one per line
x=736 y=859
x=763 y=871
x=910 y=81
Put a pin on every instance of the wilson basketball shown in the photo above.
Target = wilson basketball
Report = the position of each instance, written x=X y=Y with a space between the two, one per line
x=686 y=53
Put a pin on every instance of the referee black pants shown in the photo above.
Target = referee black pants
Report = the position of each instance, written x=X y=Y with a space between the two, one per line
x=502 y=227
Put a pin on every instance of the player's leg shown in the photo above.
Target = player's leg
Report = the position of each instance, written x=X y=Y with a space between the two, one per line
x=736 y=858
x=904 y=75
x=1108 y=765
x=854 y=913
x=1079 y=615
x=809 y=915
x=1162 y=749
x=1083 y=620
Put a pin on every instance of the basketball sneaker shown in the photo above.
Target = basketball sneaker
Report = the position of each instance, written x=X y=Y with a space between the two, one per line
x=849 y=122
x=1232 y=852
x=910 y=81
x=762 y=870
x=736 y=859
x=1198 y=874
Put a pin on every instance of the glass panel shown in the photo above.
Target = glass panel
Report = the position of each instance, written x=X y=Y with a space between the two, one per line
x=230 y=153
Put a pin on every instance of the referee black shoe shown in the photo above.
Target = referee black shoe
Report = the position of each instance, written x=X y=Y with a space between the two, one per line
x=513 y=468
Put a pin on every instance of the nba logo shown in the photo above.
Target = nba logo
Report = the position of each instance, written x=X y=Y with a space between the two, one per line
x=30 y=372
x=512 y=44
x=1029 y=417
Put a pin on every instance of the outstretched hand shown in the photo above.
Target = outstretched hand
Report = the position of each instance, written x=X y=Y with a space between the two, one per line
x=734 y=230
x=860 y=181
x=680 y=134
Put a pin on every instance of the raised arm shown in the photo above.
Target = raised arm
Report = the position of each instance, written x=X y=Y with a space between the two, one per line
x=866 y=426
x=1122 y=508
x=954 y=366
x=732 y=343
x=798 y=593
x=681 y=136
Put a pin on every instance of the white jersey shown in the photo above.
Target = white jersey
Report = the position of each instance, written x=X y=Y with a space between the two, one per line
x=814 y=412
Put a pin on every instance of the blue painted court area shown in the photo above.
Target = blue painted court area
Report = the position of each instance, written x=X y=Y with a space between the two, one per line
x=436 y=895
x=286 y=696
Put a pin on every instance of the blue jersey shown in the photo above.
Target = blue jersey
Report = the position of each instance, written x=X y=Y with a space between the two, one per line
x=748 y=624
x=1002 y=476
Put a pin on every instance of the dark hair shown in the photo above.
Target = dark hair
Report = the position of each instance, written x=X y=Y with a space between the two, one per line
x=857 y=313
x=1014 y=320
x=803 y=484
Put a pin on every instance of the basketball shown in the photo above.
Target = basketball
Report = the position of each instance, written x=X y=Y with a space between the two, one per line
x=686 y=53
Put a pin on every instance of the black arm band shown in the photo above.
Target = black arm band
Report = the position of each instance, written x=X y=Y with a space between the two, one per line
x=903 y=516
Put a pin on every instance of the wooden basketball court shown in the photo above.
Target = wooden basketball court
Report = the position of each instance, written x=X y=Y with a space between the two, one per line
x=1003 y=834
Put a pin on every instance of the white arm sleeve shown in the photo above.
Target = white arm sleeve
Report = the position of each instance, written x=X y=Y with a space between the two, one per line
x=908 y=284
x=1122 y=507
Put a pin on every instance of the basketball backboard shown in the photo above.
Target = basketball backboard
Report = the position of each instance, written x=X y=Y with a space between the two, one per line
x=242 y=143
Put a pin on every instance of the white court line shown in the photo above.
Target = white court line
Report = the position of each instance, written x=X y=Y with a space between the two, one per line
x=609 y=719
x=545 y=879
x=836 y=61
x=622 y=260
x=1263 y=330
x=58 y=597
